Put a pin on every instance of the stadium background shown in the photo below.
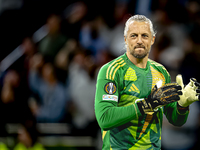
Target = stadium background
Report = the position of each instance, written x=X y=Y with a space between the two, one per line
x=92 y=34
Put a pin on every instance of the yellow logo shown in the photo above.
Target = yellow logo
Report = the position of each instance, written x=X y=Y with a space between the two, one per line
x=134 y=88
x=130 y=75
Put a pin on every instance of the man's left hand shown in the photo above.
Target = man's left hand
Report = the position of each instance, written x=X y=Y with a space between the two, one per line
x=191 y=92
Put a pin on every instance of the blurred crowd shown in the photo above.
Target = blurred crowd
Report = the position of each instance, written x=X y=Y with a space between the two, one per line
x=54 y=80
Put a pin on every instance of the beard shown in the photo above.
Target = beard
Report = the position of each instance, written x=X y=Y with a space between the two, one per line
x=137 y=54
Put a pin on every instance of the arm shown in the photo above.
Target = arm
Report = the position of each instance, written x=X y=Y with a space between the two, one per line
x=107 y=113
x=176 y=114
x=36 y=62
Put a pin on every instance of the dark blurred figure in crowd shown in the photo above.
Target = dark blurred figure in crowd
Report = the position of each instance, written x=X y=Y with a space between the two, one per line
x=192 y=43
x=28 y=48
x=28 y=137
x=50 y=96
x=64 y=57
x=73 y=17
x=82 y=82
x=50 y=45
x=90 y=36
x=111 y=27
x=14 y=100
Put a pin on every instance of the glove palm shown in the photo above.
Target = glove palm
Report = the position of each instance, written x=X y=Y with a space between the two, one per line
x=190 y=91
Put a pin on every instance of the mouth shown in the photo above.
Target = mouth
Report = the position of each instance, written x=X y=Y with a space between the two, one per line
x=140 y=47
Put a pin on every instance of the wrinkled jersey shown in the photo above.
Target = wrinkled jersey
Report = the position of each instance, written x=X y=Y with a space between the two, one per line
x=119 y=85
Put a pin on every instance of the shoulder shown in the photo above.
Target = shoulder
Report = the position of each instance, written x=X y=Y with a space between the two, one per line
x=159 y=67
x=152 y=62
x=110 y=69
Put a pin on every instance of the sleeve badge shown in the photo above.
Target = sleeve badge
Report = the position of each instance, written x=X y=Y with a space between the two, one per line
x=110 y=88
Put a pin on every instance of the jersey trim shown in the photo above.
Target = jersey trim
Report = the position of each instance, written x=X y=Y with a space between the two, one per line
x=113 y=67
x=135 y=110
x=103 y=134
x=146 y=124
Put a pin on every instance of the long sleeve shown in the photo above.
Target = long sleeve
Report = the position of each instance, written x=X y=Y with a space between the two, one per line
x=175 y=116
x=107 y=113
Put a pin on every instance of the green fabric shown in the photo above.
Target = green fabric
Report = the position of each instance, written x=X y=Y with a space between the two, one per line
x=36 y=146
x=122 y=124
x=3 y=146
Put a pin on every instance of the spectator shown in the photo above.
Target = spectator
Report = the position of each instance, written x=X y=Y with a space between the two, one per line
x=50 y=45
x=29 y=48
x=63 y=58
x=192 y=45
x=13 y=105
x=73 y=17
x=113 y=33
x=82 y=89
x=91 y=37
x=50 y=92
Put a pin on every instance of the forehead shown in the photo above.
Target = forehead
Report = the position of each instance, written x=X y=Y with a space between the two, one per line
x=139 y=27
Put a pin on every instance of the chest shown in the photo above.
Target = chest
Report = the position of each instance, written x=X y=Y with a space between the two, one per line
x=138 y=85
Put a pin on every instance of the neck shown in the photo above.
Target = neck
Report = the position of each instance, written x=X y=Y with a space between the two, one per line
x=141 y=63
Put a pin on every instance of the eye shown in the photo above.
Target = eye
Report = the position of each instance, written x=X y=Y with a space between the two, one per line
x=133 y=35
x=145 y=36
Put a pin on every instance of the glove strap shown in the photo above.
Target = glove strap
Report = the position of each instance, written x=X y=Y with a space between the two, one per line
x=144 y=106
x=182 y=110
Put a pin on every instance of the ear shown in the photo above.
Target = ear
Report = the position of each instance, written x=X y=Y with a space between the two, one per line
x=125 y=39
x=153 y=40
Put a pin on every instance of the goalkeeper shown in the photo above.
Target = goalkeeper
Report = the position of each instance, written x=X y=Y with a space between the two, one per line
x=133 y=92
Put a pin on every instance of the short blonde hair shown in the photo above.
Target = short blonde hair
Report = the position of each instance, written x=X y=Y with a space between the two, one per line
x=139 y=18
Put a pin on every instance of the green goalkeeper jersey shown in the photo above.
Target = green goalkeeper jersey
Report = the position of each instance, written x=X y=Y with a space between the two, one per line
x=119 y=84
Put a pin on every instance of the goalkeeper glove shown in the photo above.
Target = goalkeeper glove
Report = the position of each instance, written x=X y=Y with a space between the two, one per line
x=159 y=97
x=191 y=91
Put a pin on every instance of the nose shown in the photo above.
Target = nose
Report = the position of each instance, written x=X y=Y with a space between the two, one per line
x=139 y=40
